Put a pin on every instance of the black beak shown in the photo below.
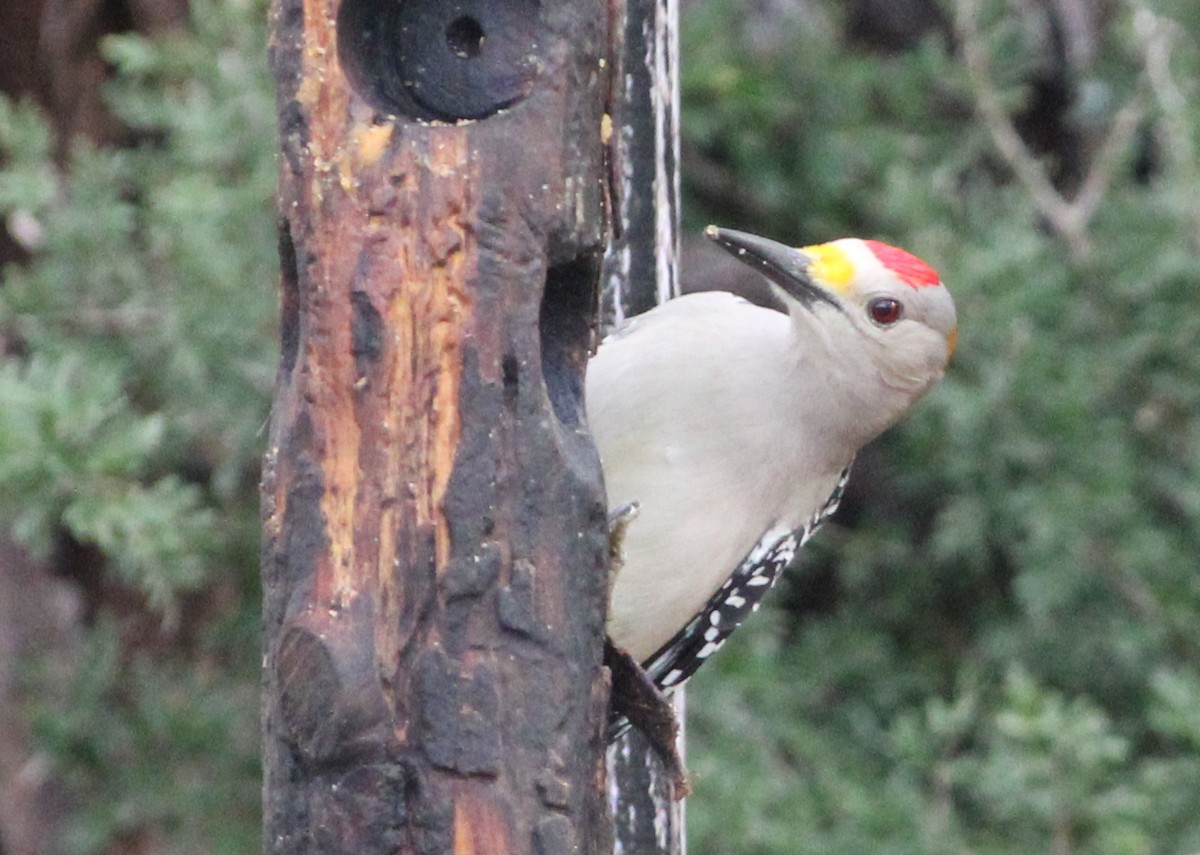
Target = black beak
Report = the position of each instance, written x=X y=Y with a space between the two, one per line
x=783 y=265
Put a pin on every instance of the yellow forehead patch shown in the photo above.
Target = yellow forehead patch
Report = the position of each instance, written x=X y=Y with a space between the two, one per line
x=830 y=266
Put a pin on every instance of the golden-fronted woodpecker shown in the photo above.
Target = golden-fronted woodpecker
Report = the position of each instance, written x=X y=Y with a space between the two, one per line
x=732 y=428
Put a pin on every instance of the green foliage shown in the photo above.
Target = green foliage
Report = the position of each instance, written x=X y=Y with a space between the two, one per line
x=142 y=347
x=160 y=747
x=1011 y=660
x=73 y=448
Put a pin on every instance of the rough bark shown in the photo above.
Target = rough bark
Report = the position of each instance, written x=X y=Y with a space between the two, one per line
x=434 y=552
x=640 y=270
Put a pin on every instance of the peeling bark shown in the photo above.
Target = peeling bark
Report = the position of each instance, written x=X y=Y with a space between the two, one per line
x=434 y=552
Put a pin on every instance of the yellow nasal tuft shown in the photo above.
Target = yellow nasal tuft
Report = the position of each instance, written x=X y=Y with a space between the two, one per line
x=952 y=342
x=829 y=266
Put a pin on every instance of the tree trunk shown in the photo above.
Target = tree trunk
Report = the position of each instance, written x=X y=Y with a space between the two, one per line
x=434 y=549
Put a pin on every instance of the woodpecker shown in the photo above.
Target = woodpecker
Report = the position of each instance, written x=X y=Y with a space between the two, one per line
x=731 y=428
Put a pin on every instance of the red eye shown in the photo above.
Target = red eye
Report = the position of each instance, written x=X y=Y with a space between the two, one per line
x=885 y=311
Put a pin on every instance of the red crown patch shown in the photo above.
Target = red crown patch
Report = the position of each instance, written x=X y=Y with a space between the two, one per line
x=907 y=266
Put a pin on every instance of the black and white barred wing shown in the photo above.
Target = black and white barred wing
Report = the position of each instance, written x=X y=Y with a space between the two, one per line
x=737 y=599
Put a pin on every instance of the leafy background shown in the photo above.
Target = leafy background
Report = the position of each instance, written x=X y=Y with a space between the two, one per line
x=996 y=649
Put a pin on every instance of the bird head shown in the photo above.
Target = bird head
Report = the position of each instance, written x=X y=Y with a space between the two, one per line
x=872 y=306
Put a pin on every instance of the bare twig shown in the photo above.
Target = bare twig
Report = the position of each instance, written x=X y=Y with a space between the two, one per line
x=1069 y=218
x=1116 y=142
x=1028 y=170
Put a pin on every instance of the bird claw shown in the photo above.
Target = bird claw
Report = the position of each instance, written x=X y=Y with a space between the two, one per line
x=618 y=523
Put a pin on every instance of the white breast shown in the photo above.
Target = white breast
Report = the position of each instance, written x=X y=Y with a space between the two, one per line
x=687 y=408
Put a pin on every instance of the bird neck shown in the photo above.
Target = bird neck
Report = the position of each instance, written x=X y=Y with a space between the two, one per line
x=841 y=393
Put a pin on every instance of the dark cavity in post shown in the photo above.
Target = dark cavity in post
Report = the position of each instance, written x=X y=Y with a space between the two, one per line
x=432 y=60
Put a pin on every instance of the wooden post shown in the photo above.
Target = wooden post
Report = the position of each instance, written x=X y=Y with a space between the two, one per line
x=640 y=270
x=434 y=540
